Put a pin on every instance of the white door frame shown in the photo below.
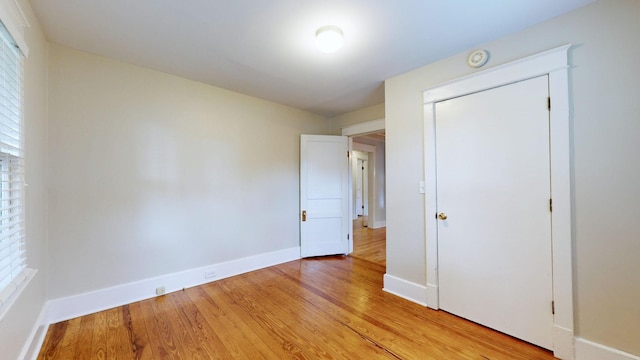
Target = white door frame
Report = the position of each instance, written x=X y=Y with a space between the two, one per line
x=364 y=176
x=370 y=152
x=553 y=62
x=351 y=131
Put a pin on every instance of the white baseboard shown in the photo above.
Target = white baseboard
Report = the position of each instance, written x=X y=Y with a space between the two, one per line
x=405 y=289
x=379 y=224
x=563 y=343
x=428 y=296
x=82 y=304
x=588 y=350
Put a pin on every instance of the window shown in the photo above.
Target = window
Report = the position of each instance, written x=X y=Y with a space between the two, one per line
x=13 y=272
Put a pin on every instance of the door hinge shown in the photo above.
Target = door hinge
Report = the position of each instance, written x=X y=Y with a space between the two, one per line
x=549 y=103
x=348 y=154
x=550 y=205
x=347 y=236
x=553 y=307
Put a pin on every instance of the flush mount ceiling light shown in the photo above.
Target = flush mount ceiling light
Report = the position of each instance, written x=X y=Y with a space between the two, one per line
x=329 y=39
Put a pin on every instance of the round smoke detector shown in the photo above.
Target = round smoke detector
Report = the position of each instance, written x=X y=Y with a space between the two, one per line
x=477 y=58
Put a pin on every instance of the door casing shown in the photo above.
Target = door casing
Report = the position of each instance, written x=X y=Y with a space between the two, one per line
x=355 y=130
x=554 y=63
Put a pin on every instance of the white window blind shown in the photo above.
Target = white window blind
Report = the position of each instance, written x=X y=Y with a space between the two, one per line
x=12 y=248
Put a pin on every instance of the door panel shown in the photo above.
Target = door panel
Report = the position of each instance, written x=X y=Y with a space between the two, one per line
x=324 y=186
x=493 y=184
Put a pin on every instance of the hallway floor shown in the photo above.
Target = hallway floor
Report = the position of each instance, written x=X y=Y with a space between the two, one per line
x=369 y=244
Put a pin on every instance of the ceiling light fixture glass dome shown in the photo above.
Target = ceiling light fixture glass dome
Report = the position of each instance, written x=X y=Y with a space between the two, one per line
x=329 y=39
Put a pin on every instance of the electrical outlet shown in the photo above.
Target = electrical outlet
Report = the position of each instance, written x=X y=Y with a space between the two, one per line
x=160 y=290
x=210 y=274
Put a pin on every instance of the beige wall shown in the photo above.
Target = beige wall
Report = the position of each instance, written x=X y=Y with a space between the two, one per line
x=370 y=113
x=604 y=85
x=152 y=174
x=17 y=324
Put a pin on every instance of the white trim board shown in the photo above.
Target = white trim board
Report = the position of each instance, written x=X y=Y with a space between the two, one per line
x=379 y=224
x=553 y=62
x=31 y=347
x=364 y=128
x=87 y=303
x=405 y=289
x=363 y=147
x=15 y=21
x=28 y=275
x=588 y=350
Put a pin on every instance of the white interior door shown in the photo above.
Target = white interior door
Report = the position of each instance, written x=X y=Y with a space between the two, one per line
x=493 y=188
x=324 y=195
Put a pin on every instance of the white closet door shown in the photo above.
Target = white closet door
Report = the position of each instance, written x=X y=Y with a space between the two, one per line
x=493 y=187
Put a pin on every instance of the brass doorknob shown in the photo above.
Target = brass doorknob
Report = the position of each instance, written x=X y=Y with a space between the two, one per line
x=442 y=216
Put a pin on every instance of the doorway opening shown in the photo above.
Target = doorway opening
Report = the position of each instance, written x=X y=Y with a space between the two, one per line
x=368 y=198
x=369 y=244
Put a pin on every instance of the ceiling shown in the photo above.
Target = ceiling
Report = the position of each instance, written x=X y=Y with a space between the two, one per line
x=265 y=48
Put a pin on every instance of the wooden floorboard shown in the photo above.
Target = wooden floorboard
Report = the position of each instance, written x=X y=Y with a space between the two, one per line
x=323 y=308
x=369 y=244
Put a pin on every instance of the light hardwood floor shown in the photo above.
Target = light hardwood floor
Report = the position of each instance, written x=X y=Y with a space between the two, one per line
x=369 y=244
x=324 y=308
